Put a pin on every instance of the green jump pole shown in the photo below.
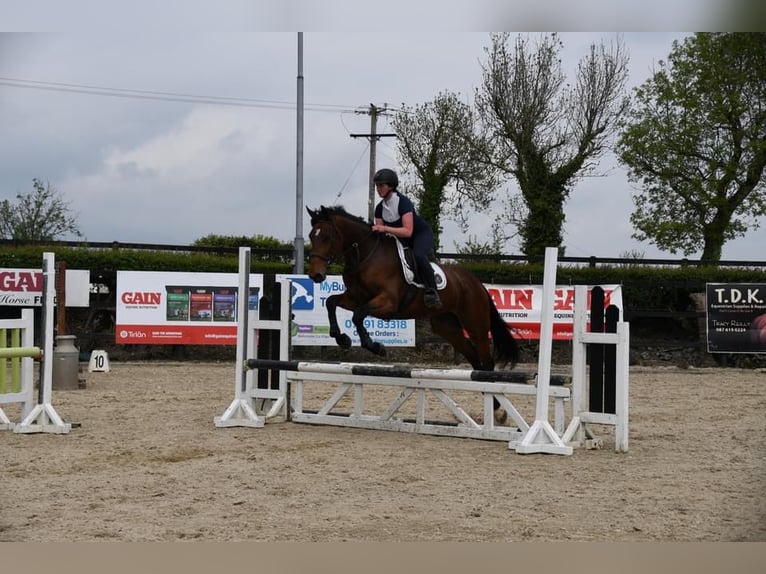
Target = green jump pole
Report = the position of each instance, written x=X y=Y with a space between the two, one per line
x=13 y=352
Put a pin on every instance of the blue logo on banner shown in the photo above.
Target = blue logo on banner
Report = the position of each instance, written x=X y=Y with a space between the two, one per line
x=303 y=294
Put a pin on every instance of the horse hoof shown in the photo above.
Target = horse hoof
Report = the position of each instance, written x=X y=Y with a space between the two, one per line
x=344 y=341
x=501 y=416
x=378 y=349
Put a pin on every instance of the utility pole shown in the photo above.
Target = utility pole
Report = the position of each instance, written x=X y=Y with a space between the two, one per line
x=373 y=142
x=373 y=136
x=298 y=266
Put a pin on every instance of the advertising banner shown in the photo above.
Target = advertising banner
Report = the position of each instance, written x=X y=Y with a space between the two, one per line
x=311 y=327
x=155 y=308
x=736 y=317
x=521 y=305
x=24 y=287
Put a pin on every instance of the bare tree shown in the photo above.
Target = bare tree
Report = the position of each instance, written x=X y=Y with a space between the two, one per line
x=544 y=132
x=42 y=215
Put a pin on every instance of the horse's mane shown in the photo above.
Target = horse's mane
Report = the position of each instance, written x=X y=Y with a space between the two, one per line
x=326 y=212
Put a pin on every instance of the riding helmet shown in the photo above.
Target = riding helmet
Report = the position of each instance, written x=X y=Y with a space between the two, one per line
x=386 y=175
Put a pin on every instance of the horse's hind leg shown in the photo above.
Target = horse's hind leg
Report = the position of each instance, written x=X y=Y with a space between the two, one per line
x=447 y=326
x=475 y=350
x=479 y=337
x=474 y=347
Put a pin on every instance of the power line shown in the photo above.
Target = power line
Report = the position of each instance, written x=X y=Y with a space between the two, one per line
x=374 y=112
x=345 y=183
x=217 y=100
x=166 y=96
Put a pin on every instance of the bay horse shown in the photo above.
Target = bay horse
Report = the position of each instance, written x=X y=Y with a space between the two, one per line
x=376 y=287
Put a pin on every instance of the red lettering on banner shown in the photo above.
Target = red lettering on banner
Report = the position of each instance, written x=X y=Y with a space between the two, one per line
x=564 y=300
x=21 y=281
x=141 y=298
x=511 y=298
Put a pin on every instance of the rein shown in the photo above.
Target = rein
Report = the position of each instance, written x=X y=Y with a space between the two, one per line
x=353 y=247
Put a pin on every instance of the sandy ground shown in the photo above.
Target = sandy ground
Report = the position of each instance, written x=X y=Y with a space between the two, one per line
x=146 y=463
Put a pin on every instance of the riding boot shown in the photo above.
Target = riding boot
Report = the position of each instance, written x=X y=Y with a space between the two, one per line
x=431 y=295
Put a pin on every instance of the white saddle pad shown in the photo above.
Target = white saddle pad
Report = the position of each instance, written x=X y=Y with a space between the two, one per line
x=409 y=274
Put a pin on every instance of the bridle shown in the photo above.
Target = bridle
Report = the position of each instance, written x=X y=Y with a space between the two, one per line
x=313 y=253
x=354 y=247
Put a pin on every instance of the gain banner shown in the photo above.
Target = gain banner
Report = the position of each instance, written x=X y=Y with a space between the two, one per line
x=155 y=308
x=521 y=307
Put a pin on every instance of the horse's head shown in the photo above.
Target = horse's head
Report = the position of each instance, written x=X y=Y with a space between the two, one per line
x=334 y=232
x=326 y=243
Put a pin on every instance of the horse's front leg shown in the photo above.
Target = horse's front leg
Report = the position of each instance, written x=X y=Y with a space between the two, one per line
x=332 y=303
x=360 y=314
x=379 y=306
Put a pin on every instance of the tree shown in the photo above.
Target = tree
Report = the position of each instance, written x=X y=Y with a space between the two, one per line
x=42 y=215
x=545 y=133
x=695 y=140
x=440 y=144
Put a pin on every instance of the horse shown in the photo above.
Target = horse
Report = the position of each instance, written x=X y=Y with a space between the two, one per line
x=376 y=287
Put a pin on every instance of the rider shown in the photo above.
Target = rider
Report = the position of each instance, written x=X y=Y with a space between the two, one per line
x=395 y=214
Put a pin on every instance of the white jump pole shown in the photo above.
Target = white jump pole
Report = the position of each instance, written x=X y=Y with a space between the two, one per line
x=541 y=436
x=44 y=417
x=241 y=411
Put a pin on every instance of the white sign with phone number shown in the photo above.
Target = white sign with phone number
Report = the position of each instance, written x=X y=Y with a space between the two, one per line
x=310 y=325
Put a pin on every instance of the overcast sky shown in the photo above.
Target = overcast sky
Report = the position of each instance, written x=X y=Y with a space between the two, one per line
x=134 y=131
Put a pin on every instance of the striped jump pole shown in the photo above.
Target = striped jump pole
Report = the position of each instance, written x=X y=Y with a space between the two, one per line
x=398 y=371
x=415 y=385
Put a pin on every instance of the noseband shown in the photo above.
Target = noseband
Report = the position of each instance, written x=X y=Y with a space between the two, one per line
x=318 y=256
x=353 y=247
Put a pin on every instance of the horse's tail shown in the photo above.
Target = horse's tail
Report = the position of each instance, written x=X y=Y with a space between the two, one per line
x=505 y=347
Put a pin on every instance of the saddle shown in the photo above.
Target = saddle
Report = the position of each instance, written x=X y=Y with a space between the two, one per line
x=407 y=259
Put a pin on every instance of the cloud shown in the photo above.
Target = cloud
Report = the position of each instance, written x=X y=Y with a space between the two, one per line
x=162 y=162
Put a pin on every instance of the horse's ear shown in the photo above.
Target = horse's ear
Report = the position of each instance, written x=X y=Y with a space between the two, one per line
x=310 y=212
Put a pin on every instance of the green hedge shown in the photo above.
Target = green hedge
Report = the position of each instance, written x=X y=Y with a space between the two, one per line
x=131 y=260
x=644 y=286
